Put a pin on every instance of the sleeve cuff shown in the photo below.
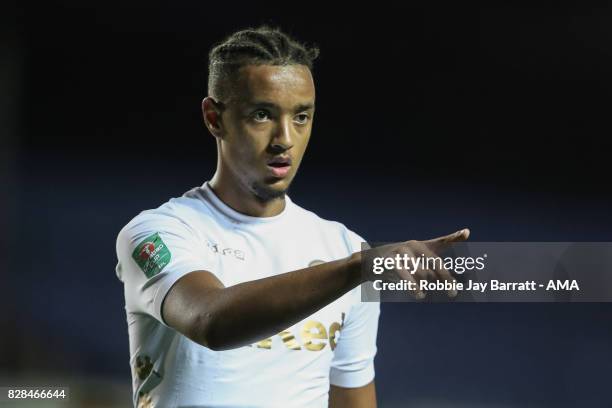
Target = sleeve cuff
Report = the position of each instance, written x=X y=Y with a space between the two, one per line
x=352 y=379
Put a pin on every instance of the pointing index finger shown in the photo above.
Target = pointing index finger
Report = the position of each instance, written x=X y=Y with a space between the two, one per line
x=446 y=240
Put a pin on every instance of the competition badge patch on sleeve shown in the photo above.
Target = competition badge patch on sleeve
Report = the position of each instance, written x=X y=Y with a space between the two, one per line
x=152 y=255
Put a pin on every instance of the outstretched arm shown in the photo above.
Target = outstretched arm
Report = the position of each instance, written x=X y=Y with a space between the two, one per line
x=218 y=317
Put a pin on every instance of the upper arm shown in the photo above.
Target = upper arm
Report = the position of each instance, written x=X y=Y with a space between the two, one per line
x=185 y=306
x=360 y=397
x=353 y=361
x=352 y=370
x=154 y=252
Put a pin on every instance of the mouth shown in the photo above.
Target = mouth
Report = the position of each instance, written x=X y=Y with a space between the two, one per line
x=280 y=166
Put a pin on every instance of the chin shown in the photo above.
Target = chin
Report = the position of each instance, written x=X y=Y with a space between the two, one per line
x=267 y=191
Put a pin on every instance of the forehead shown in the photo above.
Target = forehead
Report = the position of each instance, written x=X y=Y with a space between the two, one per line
x=279 y=84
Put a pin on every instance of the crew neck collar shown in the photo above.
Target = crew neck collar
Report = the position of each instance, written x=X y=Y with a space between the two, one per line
x=238 y=217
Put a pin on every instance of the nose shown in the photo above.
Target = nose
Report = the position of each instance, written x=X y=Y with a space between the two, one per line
x=283 y=137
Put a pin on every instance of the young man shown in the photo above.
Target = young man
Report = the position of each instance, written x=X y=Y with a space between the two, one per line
x=235 y=295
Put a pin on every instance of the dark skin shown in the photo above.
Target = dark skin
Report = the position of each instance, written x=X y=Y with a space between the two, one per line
x=269 y=114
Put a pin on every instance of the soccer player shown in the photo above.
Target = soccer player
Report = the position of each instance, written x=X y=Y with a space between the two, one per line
x=235 y=295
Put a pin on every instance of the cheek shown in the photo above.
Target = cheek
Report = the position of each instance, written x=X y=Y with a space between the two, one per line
x=247 y=145
x=242 y=153
x=303 y=143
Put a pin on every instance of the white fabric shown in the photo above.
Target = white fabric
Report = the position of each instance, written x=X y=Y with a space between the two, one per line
x=203 y=233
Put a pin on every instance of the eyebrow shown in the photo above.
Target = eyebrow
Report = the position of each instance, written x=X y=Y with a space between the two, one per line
x=298 y=108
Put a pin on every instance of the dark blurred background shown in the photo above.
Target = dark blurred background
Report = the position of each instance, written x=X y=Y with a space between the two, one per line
x=429 y=118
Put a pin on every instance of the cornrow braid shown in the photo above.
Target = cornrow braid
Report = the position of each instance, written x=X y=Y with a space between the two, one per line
x=254 y=46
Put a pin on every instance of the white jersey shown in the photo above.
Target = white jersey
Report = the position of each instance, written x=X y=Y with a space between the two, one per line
x=294 y=368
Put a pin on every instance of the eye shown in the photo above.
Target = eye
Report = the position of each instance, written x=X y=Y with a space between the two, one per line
x=302 y=118
x=260 y=115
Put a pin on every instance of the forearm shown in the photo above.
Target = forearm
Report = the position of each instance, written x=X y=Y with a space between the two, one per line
x=247 y=312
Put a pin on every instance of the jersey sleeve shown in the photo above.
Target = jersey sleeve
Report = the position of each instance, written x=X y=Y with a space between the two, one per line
x=153 y=252
x=353 y=361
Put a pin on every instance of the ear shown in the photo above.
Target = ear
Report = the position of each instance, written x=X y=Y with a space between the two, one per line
x=211 y=111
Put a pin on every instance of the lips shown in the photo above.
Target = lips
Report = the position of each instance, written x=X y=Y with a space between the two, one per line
x=279 y=166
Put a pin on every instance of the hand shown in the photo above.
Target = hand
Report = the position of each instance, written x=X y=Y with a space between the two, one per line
x=414 y=261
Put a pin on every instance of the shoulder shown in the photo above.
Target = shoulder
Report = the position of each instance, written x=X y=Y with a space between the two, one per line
x=351 y=238
x=176 y=216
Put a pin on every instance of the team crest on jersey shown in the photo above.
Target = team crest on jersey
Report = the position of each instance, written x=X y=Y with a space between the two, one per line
x=143 y=367
x=145 y=401
x=152 y=255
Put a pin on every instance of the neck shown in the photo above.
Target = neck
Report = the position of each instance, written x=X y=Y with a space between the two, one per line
x=240 y=198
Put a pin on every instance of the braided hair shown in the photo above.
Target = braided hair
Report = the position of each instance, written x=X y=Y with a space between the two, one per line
x=253 y=46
